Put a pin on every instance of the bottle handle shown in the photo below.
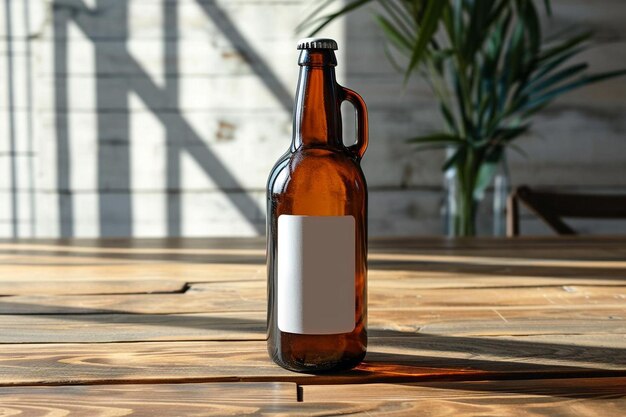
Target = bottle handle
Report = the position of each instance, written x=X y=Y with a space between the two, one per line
x=362 y=135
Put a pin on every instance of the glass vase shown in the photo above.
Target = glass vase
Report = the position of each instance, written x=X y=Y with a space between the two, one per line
x=461 y=208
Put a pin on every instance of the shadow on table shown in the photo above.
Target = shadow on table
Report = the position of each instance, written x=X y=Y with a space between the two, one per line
x=250 y=254
x=504 y=269
x=437 y=358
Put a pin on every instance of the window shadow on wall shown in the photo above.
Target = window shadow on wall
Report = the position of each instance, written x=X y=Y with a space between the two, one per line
x=17 y=121
x=114 y=185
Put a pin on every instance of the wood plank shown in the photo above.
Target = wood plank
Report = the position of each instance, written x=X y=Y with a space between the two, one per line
x=216 y=399
x=543 y=246
x=529 y=259
x=499 y=352
x=252 y=296
x=493 y=267
x=581 y=397
x=389 y=359
x=467 y=311
x=583 y=249
x=391 y=294
x=91 y=287
x=101 y=328
x=60 y=258
x=376 y=244
x=130 y=271
x=500 y=322
x=48 y=261
x=496 y=277
x=28 y=280
x=599 y=388
x=543 y=397
x=421 y=275
x=432 y=263
x=600 y=258
x=172 y=278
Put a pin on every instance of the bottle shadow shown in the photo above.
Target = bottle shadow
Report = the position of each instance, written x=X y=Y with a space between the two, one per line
x=393 y=356
x=252 y=252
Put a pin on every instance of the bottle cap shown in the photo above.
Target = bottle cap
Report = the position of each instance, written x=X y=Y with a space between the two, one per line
x=317 y=43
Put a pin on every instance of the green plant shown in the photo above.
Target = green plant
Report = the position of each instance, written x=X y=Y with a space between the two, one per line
x=490 y=68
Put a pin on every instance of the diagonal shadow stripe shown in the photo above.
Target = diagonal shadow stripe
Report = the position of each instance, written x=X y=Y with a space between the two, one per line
x=173 y=158
x=150 y=94
x=30 y=122
x=117 y=222
x=212 y=166
x=10 y=92
x=61 y=122
x=258 y=65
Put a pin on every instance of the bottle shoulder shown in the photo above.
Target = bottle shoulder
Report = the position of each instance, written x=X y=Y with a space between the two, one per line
x=321 y=166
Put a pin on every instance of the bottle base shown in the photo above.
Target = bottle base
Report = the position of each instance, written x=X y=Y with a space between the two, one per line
x=343 y=364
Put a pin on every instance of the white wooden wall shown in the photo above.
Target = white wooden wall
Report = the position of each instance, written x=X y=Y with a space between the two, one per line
x=163 y=117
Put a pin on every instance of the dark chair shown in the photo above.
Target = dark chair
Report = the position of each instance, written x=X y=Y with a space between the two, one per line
x=552 y=206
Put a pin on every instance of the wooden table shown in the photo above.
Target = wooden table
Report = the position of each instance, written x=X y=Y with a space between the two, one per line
x=176 y=327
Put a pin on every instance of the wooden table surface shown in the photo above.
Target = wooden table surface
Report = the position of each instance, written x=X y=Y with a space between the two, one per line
x=530 y=326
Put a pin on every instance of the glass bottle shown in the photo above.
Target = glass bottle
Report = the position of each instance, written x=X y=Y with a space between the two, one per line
x=459 y=219
x=317 y=227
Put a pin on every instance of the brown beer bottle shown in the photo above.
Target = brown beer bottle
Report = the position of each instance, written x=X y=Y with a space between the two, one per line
x=317 y=227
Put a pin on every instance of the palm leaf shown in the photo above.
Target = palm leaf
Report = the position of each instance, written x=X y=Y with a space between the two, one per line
x=556 y=78
x=490 y=67
x=485 y=175
x=458 y=155
x=480 y=13
x=323 y=21
x=440 y=138
x=586 y=80
x=529 y=18
x=548 y=5
x=543 y=70
x=506 y=134
x=429 y=24
x=448 y=116
x=399 y=16
x=563 y=47
x=314 y=15
x=393 y=34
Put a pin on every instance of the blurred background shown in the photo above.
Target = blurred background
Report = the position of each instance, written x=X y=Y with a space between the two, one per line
x=153 y=118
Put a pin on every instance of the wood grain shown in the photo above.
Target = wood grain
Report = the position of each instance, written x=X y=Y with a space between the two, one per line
x=101 y=328
x=584 y=251
x=402 y=293
x=493 y=277
x=216 y=399
x=251 y=296
x=398 y=358
x=37 y=269
x=67 y=326
x=91 y=286
x=23 y=279
x=588 y=397
x=599 y=388
x=443 y=315
x=500 y=321
x=544 y=397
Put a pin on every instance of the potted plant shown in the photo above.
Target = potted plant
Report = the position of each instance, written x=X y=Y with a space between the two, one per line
x=491 y=70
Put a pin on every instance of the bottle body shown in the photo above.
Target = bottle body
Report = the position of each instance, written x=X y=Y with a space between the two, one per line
x=295 y=189
x=317 y=235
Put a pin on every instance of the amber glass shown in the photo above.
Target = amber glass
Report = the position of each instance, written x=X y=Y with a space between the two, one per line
x=320 y=176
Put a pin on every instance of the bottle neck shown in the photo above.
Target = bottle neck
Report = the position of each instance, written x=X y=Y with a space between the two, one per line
x=317 y=118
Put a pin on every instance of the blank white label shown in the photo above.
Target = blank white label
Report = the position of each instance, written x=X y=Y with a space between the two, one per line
x=316 y=274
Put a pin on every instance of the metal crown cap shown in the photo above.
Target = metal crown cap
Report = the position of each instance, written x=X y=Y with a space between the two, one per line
x=317 y=43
